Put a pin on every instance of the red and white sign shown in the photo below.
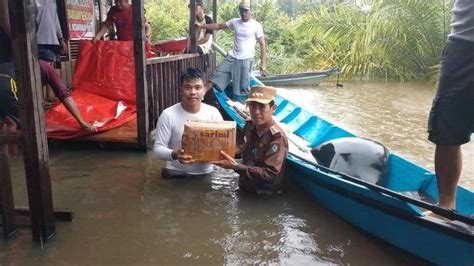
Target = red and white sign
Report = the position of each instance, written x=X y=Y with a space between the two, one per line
x=80 y=18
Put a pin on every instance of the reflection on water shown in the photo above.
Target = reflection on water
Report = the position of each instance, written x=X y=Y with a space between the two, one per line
x=128 y=215
x=394 y=114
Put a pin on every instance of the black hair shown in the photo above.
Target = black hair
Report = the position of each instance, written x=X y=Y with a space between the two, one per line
x=190 y=74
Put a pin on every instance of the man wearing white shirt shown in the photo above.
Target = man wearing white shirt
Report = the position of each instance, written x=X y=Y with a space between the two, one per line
x=170 y=127
x=238 y=64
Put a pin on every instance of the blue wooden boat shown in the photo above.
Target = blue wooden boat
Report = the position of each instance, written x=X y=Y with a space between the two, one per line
x=298 y=79
x=384 y=215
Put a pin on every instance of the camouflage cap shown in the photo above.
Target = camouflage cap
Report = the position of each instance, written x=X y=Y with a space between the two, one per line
x=261 y=94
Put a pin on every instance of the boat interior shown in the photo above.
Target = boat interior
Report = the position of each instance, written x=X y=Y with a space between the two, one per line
x=403 y=176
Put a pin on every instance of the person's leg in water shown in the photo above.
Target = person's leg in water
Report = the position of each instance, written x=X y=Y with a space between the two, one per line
x=10 y=127
x=448 y=167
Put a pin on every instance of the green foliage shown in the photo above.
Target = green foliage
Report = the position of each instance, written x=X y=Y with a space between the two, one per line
x=295 y=9
x=400 y=39
x=169 y=19
x=389 y=39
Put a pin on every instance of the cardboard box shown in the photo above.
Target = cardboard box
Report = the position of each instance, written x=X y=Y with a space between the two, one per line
x=205 y=139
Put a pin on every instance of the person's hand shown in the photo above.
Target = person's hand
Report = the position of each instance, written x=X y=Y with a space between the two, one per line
x=198 y=24
x=96 y=39
x=228 y=163
x=64 y=49
x=182 y=157
x=88 y=127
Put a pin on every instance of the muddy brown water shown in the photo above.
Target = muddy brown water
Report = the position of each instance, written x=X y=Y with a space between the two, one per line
x=128 y=215
x=394 y=114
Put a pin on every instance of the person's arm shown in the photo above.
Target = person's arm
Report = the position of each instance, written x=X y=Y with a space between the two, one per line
x=59 y=34
x=273 y=163
x=103 y=29
x=208 y=33
x=105 y=26
x=51 y=77
x=213 y=26
x=162 y=138
x=204 y=39
x=147 y=29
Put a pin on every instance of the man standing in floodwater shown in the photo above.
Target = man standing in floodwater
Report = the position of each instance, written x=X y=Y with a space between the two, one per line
x=265 y=148
x=170 y=127
x=238 y=64
x=451 y=121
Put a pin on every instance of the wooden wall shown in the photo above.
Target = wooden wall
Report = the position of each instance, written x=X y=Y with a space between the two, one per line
x=163 y=79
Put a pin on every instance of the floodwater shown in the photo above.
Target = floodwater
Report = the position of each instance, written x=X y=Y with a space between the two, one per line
x=126 y=214
x=394 y=114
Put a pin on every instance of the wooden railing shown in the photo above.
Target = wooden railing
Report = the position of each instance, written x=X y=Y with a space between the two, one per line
x=163 y=79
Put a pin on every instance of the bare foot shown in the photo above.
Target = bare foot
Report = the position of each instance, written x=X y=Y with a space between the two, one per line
x=88 y=127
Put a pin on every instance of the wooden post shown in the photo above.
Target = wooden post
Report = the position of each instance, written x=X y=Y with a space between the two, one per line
x=192 y=30
x=7 y=205
x=214 y=17
x=140 y=74
x=36 y=157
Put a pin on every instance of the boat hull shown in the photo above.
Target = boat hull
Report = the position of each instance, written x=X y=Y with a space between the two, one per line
x=300 y=81
x=297 y=79
x=414 y=234
x=392 y=220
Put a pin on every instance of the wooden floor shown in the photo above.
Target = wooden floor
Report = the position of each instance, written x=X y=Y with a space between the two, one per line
x=124 y=134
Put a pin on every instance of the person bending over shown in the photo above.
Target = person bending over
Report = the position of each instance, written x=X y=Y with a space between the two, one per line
x=49 y=76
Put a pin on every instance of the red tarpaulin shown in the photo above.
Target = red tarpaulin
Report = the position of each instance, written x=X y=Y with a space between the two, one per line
x=104 y=90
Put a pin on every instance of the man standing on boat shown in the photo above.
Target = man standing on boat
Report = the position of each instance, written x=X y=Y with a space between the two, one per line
x=265 y=148
x=237 y=66
x=451 y=121
x=170 y=127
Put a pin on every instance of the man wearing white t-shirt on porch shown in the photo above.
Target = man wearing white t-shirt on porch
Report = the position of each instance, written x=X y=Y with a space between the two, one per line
x=238 y=64
x=170 y=127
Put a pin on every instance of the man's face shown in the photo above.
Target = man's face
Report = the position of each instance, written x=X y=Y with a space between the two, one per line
x=192 y=92
x=122 y=3
x=199 y=12
x=260 y=113
x=245 y=14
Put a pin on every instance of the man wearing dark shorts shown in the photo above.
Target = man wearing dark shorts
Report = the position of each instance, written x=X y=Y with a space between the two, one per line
x=451 y=121
x=9 y=113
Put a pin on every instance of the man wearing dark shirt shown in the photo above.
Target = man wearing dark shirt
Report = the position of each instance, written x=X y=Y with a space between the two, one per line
x=203 y=36
x=265 y=148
